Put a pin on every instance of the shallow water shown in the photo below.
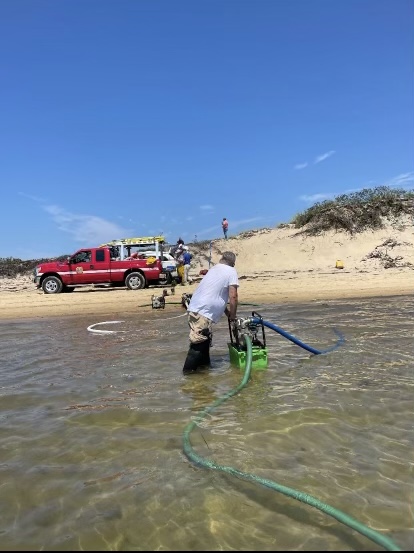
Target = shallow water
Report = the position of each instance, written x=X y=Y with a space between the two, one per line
x=92 y=424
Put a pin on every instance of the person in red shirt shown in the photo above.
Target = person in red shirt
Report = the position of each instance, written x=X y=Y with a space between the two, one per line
x=225 y=227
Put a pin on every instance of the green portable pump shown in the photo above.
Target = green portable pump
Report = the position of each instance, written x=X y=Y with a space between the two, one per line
x=237 y=345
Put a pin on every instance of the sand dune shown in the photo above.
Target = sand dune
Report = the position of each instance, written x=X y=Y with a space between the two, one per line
x=278 y=265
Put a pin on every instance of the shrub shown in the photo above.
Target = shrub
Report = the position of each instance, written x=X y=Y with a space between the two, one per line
x=356 y=212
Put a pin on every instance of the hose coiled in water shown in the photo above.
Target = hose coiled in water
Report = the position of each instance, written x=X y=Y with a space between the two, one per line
x=340 y=516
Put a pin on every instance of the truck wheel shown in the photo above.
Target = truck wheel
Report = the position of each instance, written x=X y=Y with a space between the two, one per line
x=52 y=285
x=135 y=281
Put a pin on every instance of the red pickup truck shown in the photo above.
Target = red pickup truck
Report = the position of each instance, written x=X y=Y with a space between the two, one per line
x=96 y=266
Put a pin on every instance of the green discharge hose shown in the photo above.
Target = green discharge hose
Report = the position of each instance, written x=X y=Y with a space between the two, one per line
x=373 y=535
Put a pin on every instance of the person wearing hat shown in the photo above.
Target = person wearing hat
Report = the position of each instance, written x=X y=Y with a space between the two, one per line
x=187 y=266
x=177 y=250
x=218 y=288
x=179 y=258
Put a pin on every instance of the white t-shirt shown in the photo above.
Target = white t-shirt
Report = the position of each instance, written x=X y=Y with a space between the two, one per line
x=212 y=294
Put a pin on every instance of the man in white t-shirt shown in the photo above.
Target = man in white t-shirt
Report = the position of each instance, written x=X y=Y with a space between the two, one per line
x=208 y=303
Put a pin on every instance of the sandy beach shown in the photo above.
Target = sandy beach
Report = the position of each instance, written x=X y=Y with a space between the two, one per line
x=275 y=266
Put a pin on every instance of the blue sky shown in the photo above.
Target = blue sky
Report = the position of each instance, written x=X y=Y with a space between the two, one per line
x=139 y=117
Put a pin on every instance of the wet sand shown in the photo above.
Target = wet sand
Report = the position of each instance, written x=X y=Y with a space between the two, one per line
x=19 y=297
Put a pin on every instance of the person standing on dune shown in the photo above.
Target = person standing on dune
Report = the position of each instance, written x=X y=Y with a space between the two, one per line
x=225 y=227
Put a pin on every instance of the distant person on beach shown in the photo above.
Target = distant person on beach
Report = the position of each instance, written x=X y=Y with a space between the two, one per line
x=177 y=249
x=208 y=303
x=225 y=227
x=178 y=253
x=180 y=267
x=187 y=266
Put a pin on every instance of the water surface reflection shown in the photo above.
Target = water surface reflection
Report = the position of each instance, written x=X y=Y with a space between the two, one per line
x=92 y=433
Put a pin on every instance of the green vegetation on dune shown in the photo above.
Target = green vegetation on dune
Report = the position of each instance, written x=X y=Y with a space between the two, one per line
x=356 y=212
x=11 y=267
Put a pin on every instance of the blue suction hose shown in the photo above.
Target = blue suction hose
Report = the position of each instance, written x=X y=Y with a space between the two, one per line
x=341 y=339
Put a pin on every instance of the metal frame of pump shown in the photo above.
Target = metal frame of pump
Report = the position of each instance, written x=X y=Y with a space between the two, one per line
x=242 y=330
x=250 y=326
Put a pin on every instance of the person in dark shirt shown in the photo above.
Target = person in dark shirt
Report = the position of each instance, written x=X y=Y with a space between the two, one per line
x=187 y=266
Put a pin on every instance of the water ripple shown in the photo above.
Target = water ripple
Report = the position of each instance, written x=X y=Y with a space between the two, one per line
x=92 y=424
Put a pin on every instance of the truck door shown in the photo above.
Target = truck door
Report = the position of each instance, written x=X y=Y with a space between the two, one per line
x=89 y=267
x=101 y=267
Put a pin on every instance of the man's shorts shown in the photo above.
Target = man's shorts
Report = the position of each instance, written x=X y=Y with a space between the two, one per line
x=201 y=328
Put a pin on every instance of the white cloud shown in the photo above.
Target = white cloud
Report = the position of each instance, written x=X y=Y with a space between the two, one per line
x=403 y=180
x=352 y=190
x=318 y=159
x=207 y=207
x=86 y=229
x=317 y=197
x=31 y=197
x=324 y=156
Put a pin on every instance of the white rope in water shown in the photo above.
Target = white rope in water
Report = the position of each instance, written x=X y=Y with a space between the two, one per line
x=97 y=331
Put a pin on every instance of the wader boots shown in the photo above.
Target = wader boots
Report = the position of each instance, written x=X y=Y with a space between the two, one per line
x=198 y=355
